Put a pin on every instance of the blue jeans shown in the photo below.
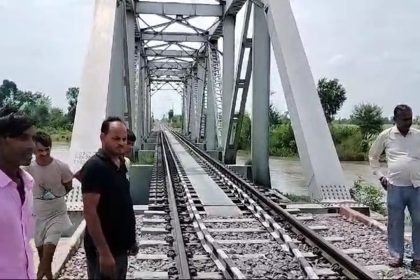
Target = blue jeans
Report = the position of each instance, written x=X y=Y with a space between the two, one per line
x=399 y=198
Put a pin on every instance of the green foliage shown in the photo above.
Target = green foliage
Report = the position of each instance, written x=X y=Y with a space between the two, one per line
x=274 y=116
x=369 y=195
x=71 y=95
x=369 y=118
x=348 y=142
x=245 y=135
x=146 y=158
x=170 y=115
x=297 y=198
x=176 y=121
x=38 y=107
x=282 y=141
x=332 y=95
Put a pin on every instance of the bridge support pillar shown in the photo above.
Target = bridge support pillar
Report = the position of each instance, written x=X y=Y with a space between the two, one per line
x=260 y=99
x=131 y=48
x=117 y=101
x=101 y=89
x=228 y=71
x=211 y=140
x=323 y=171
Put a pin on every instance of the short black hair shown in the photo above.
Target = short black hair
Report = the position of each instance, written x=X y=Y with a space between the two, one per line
x=401 y=108
x=43 y=138
x=13 y=123
x=107 y=121
x=131 y=136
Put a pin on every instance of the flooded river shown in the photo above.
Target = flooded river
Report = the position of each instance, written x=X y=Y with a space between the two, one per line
x=286 y=174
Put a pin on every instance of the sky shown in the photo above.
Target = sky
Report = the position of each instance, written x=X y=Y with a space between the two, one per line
x=370 y=46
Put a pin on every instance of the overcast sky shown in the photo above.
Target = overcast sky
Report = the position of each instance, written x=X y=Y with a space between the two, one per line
x=371 y=46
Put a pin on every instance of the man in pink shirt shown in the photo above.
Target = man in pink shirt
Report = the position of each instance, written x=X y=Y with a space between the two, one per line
x=16 y=221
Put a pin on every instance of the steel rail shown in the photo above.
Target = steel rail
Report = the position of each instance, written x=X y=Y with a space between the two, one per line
x=181 y=256
x=230 y=270
x=350 y=267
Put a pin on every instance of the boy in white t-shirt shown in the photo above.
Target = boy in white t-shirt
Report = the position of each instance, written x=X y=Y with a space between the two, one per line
x=131 y=139
x=53 y=180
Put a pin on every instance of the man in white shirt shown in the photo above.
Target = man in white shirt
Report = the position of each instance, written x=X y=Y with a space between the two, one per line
x=401 y=144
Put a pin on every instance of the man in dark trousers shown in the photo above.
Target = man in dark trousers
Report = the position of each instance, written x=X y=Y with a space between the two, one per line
x=108 y=208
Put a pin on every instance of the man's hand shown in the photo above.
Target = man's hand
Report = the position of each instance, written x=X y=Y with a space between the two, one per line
x=384 y=182
x=107 y=265
x=133 y=251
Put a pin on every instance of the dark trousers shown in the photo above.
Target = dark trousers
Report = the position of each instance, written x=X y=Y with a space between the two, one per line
x=93 y=268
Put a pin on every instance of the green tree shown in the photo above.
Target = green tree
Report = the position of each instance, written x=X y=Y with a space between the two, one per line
x=58 y=119
x=332 y=95
x=245 y=136
x=273 y=115
x=170 y=115
x=7 y=90
x=72 y=94
x=369 y=118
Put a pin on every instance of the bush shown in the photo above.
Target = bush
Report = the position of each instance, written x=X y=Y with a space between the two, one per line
x=282 y=141
x=349 y=142
x=369 y=195
x=297 y=198
x=57 y=135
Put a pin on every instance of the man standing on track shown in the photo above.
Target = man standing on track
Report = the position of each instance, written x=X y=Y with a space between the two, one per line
x=16 y=221
x=401 y=144
x=108 y=208
x=53 y=180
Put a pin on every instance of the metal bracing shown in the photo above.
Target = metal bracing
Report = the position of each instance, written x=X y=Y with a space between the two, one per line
x=215 y=91
x=174 y=37
x=240 y=84
x=174 y=65
x=168 y=72
x=148 y=110
x=200 y=112
x=117 y=97
x=260 y=99
x=184 y=109
x=171 y=53
x=210 y=126
x=323 y=171
x=161 y=8
x=129 y=25
x=231 y=8
x=189 y=103
x=139 y=114
x=194 y=104
x=228 y=72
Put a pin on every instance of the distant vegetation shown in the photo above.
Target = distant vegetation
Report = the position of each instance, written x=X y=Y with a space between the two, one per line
x=38 y=106
x=352 y=137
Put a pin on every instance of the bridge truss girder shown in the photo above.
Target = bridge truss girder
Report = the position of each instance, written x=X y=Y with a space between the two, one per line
x=132 y=58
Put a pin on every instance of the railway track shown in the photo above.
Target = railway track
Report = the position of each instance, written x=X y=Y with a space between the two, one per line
x=178 y=240
x=325 y=259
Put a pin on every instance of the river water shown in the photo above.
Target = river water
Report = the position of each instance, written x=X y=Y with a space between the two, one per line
x=286 y=174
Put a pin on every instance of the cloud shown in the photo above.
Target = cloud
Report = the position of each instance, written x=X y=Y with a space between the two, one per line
x=337 y=59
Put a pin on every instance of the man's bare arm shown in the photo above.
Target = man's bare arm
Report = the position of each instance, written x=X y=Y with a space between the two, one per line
x=68 y=186
x=93 y=224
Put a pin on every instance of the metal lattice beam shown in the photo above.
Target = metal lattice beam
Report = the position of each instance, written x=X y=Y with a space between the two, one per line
x=173 y=37
x=231 y=8
x=169 y=65
x=170 y=53
x=161 y=8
